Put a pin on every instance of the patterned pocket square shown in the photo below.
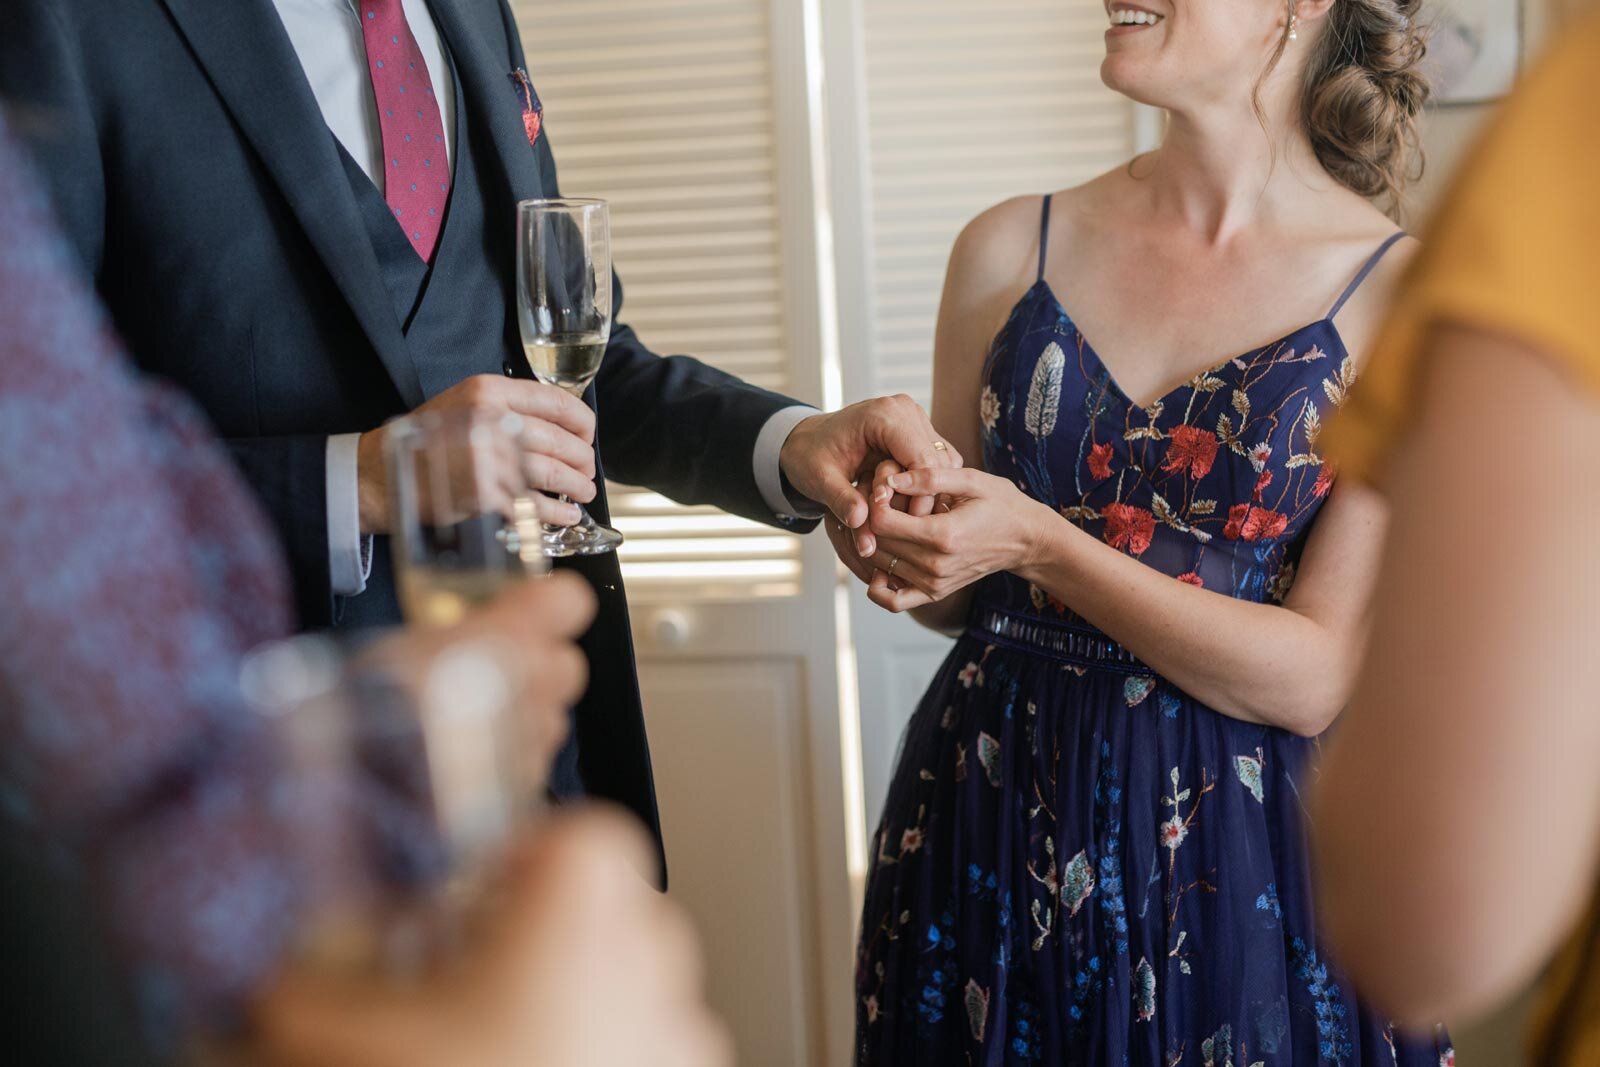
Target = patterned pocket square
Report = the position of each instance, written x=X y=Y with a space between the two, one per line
x=532 y=109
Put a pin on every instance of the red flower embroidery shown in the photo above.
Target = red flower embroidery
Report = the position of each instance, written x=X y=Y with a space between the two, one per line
x=1324 y=480
x=1264 y=480
x=1100 y=462
x=1246 y=522
x=1193 y=448
x=1128 y=527
x=1042 y=600
x=1192 y=579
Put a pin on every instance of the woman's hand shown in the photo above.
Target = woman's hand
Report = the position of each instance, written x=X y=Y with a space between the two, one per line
x=980 y=525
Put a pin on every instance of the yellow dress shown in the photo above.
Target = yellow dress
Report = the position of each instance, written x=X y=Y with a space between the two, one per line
x=1515 y=251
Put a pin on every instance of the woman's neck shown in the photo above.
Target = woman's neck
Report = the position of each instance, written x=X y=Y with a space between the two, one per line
x=1218 y=172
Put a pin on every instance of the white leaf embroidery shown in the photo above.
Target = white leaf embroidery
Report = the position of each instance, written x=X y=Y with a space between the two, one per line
x=1044 y=395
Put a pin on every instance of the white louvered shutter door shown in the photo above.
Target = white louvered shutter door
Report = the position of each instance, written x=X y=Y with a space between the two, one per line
x=970 y=103
x=666 y=110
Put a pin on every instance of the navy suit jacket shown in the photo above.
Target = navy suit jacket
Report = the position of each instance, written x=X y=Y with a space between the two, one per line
x=197 y=180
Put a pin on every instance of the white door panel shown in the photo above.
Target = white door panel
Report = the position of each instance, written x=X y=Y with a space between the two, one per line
x=728 y=741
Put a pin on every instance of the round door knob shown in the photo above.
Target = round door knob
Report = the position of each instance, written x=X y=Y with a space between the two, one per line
x=671 y=629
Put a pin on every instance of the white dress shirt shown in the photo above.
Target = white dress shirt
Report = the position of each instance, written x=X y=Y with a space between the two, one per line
x=326 y=35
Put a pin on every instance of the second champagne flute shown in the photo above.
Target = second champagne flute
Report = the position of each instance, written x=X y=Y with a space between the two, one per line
x=564 y=311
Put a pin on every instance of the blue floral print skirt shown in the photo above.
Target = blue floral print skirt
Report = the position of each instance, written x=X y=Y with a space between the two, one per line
x=1078 y=864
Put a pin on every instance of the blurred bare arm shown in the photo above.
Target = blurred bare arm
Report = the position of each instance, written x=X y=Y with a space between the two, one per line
x=1458 y=815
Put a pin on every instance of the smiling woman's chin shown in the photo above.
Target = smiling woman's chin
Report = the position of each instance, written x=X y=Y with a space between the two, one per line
x=1124 y=71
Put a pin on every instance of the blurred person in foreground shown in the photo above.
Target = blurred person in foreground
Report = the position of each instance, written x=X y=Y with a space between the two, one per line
x=133 y=775
x=1458 y=814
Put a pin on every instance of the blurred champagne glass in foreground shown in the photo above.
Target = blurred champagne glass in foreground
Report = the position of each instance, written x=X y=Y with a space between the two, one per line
x=465 y=518
x=401 y=786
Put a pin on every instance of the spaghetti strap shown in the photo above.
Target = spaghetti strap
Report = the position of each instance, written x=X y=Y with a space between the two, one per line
x=1368 y=268
x=1044 y=237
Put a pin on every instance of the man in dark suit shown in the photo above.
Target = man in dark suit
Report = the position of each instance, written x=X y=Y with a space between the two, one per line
x=301 y=212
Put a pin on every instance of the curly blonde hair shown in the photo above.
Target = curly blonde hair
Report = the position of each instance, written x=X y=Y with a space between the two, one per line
x=1362 y=93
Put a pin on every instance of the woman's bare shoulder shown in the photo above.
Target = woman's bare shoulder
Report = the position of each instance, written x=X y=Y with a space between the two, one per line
x=1001 y=244
x=1001 y=241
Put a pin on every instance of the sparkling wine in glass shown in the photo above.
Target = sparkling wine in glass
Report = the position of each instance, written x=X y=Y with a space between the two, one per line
x=564 y=312
x=465 y=520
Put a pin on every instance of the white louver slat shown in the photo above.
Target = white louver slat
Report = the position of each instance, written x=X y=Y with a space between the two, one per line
x=666 y=110
x=969 y=104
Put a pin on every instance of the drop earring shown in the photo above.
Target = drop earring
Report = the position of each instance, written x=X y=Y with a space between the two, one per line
x=1294 y=27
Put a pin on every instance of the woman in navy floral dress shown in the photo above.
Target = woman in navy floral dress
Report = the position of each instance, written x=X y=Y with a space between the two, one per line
x=1094 y=849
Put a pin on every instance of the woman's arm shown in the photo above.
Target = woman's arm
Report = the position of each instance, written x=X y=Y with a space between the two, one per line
x=1291 y=666
x=1288 y=666
x=1458 y=816
x=990 y=268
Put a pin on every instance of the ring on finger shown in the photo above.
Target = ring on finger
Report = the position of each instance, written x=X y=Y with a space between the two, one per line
x=940 y=446
x=893 y=563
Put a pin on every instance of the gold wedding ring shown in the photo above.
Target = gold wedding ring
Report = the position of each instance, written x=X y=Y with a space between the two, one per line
x=893 y=563
x=939 y=446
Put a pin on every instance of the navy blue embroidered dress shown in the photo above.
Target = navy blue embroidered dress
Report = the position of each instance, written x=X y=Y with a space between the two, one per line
x=1078 y=863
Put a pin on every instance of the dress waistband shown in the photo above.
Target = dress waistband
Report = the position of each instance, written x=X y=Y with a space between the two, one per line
x=1060 y=641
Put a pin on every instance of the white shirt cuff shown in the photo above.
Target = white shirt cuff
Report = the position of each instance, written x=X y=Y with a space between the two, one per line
x=769 y=472
x=349 y=553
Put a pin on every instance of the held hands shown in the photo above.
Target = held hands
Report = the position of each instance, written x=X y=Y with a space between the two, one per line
x=972 y=525
x=827 y=457
x=557 y=441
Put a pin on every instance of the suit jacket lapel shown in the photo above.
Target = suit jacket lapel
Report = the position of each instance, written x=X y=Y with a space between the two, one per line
x=493 y=107
x=243 y=47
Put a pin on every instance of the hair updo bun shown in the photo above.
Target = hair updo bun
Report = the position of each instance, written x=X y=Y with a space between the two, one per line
x=1364 y=88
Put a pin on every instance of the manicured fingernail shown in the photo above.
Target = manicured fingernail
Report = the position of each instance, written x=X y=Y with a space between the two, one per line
x=883 y=495
x=900 y=481
x=866 y=546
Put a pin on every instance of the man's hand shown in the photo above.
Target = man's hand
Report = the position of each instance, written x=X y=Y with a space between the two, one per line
x=557 y=444
x=827 y=456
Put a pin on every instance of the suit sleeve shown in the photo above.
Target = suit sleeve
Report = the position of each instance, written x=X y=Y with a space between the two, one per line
x=46 y=92
x=289 y=476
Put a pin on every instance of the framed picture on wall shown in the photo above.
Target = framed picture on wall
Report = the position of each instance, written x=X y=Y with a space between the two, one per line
x=1474 y=49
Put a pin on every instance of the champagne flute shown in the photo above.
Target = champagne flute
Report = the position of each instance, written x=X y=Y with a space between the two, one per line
x=465 y=517
x=564 y=311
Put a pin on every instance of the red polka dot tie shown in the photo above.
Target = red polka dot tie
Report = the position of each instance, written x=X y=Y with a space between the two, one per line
x=416 y=169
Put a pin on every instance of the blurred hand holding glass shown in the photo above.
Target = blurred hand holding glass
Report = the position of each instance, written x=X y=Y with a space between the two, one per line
x=464 y=515
x=402 y=794
x=406 y=770
x=564 y=312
